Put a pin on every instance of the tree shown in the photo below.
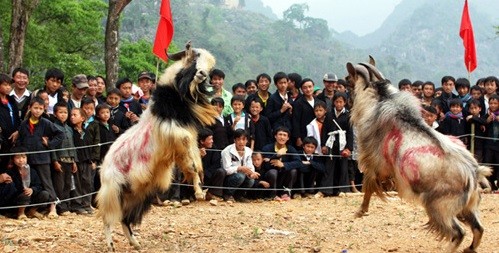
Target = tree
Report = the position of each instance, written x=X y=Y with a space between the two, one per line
x=112 y=37
x=296 y=14
x=21 y=11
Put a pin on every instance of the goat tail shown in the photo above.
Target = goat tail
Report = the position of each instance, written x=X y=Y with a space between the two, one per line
x=482 y=173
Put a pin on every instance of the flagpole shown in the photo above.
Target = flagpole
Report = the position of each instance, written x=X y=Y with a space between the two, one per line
x=157 y=70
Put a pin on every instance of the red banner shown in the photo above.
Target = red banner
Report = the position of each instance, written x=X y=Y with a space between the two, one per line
x=466 y=33
x=164 y=33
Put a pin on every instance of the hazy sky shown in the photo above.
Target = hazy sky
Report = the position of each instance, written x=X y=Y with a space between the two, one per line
x=342 y=15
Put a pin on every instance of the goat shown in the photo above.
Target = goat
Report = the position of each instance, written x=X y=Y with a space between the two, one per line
x=395 y=144
x=140 y=162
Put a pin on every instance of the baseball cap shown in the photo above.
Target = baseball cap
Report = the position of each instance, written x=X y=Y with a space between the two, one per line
x=80 y=81
x=330 y=77
x=144 y=74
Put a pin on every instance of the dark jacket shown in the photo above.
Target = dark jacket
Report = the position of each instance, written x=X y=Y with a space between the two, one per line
x=82 y=139
x=220 y=138
x=118 y=119
x=316 y=163
x=291 y=160
x=492 y=132
x=130 y=105
x=67 y=147
x=35 y=182
x=211 y=162
x=263 y=132
x=33 y=141
x=273 y=112
x=93 y=134
x=106 y=135
x=9 y=122
x=303 y=114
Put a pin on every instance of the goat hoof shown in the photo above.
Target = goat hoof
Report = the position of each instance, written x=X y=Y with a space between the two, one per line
x=361 y=213
x=199 y=196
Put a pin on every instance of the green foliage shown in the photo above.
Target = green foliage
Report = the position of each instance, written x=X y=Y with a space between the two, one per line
x=66 y=35
x=137 y=57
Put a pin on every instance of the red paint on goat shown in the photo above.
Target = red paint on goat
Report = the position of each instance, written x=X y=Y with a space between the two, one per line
x=396 y=137
x=144 y=156
x=409 y=168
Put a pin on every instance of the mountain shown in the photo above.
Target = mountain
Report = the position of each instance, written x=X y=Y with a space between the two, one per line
x=419 y=40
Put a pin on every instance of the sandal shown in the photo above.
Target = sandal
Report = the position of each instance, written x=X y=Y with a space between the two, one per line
x=22 y=217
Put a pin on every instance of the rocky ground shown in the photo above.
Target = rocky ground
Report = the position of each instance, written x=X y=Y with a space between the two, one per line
x=304 y=225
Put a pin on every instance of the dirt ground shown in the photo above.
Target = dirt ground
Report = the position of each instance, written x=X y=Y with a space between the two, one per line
x=302 y=225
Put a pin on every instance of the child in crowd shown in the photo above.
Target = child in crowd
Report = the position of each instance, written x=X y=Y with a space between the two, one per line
x=64 y=159
x=108 y=134
x=339 y=144
x=251 y=87
x=490 y=88
x=263 y=130
x=311 y=165
x=128 y=105
x=492 y=143
x=238 y=119
x=39 y=134
x=475 y=126
x=29 y=188
x=257 y=159
x=118 y=118
x=9 y=118
x=429 y=114
x=463 y=91
x=238 y=89
x=477 y=93
x=454 y=123
x=83 y=178
x=214 y=174
x=314 y=128
x=263 y=81
x=220 y=138
x=279 y=107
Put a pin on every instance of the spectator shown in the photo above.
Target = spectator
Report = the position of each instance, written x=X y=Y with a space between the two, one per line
x=463 y=91
x=278 y=108
x=220 y=136
x=428 y=90
x=145 y=83
x=330 y=82
x=118 y=118
x=101 y=89
x=21 y=94
x=294 y=82
x=312 y=164
x=263 y=130
x=263 y=82
x=54 y=78
x=340 y=145
x=9 y=118
x=239 y=89
x=490 y=88
x=236 y=160
x=214 y=174
x=477 y=93
x=448 y=83
x=475 y=126
x=80 y=86
x=303 y=112
x=217 y=78
x=454 y=123
x=251 y=87
x=416 y=88
x=282 y=167
x=492 y=143
x=92 y=89
x=405 y=85
x=28 y=186
x=128 y=105
x=39 y=134
x=316 y=126
x=63 y=160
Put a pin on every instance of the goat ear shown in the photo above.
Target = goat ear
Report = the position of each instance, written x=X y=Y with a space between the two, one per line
x=372 y=61
x=176 y=56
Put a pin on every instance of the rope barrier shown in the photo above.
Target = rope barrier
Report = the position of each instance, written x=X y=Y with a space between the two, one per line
x=189 y=185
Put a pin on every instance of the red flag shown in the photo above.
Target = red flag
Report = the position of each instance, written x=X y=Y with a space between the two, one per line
x=164 y=34
x=466 y=33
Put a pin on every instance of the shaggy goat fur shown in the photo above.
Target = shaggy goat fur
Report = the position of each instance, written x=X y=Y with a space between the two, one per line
x=141 y=161
x=396 y=144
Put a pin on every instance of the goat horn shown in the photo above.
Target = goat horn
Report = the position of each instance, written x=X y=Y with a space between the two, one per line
x=179 y=55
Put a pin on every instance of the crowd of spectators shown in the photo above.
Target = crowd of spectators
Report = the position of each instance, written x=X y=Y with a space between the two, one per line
x=293 y=143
